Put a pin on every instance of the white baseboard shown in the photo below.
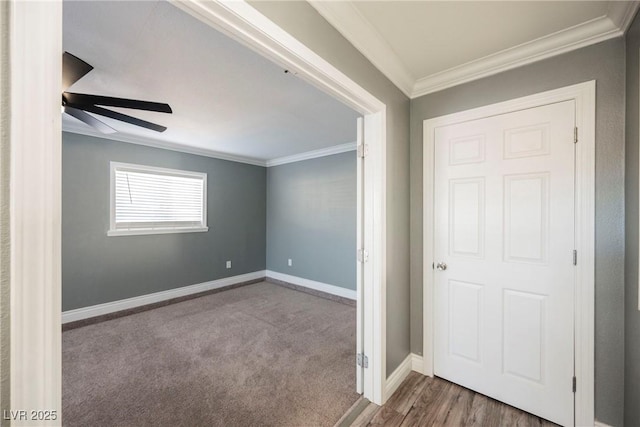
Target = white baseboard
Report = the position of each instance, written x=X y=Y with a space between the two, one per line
x=599 y=424
x=417 y=363
x=112 y=307
x=395 y=379
x=312 y=284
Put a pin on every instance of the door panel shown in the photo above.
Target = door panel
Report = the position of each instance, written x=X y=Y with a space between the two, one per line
x=504 y=227
x=526 y=198
x=465 y=319
x=523 y=316
x=466 y=222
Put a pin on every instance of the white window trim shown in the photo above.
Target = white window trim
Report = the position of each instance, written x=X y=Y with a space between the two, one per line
x=113 y=231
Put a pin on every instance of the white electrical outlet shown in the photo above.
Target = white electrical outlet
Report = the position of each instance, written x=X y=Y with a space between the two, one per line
x=289 y=262
x=228 y=264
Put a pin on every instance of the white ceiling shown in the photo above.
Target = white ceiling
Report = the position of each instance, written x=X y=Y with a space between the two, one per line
x=425 y=46
x=227 y=100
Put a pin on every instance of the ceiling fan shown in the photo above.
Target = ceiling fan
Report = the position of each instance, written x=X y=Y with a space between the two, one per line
x=79 y=105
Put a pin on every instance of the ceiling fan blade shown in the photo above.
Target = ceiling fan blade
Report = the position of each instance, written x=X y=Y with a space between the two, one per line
x=89 y=119
x=108 y=101
x=73 y=69
x=119 y=116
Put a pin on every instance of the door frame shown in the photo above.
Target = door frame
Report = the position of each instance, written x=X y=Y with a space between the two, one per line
x=33 y=66
x=31 y=148
x=584 y=95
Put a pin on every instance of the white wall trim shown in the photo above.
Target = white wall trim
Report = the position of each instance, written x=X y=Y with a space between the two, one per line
x=599 y=424
x=398 y=376
x=35 y=40
x=412 y=362
x=346 y=18
x=584 y=95
x=81 y=129
x=417 y=363
x=582 y=35
x=322 y=152
x=125 y=304
x=349 y=22
x=312 y=284
x=622 y=13
x=85 y=130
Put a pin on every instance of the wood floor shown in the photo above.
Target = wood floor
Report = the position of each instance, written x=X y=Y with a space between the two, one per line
x=425 y=401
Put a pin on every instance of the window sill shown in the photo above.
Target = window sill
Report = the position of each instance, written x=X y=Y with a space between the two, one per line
x=143 y=231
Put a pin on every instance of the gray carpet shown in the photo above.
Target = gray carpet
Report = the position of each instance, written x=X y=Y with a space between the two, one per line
x=259 y=355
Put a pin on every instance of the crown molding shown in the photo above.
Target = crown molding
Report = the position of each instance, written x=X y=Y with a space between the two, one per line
x=349 y=22
x=150 y=142
x=582 y=35
x=346 y=18
x=336 y=149
x=622 y=13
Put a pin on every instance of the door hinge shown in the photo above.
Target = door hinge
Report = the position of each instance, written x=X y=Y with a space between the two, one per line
x=362 y=360
x=575 y=384
x=575 y=257
x=575 y=135
x=363 y=256
x=363 y=150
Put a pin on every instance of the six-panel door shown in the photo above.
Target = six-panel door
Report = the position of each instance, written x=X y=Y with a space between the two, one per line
x=504 y=224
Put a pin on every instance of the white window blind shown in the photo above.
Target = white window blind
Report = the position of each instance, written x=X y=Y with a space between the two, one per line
x=149 y=200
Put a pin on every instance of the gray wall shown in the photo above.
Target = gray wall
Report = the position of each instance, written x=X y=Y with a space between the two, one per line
x=98 y=269
x=632 y=314
x=311 y=218
x=603 y=62
x=302 y=21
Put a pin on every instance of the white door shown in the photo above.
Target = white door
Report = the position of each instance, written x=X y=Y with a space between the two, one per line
x=359 y=266
x=504 y=233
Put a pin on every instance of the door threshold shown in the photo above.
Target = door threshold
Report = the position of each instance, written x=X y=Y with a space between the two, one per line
x=352 y=413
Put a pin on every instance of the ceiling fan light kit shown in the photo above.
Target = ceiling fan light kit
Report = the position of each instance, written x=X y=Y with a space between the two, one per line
x=79 y=105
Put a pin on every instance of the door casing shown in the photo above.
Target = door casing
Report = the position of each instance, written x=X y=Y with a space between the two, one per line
x=584 y=95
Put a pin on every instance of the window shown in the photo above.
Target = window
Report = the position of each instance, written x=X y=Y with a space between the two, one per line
x=150 y=200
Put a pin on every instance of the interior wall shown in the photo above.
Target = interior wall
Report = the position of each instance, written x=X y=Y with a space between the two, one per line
x=98 y=269
x=632 y=313
x=311 y=219
x=603 y=62
x=305 y=24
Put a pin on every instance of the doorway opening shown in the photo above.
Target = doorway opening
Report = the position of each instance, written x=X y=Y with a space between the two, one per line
x=35 y=280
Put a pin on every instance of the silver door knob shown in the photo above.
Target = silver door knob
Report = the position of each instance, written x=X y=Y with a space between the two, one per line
x=441 y=266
